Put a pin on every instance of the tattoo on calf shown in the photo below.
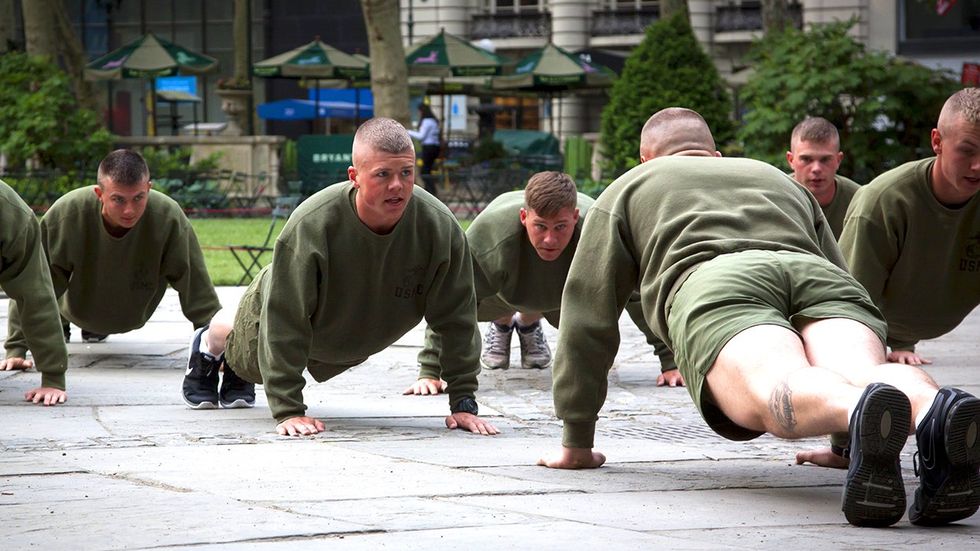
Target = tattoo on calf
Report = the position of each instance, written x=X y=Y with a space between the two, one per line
x=781 y=407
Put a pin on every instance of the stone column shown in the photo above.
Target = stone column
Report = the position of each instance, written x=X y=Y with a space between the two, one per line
x=570 y=30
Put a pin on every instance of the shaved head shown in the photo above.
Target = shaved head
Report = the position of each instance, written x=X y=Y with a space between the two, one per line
x=381 y=134
x=965 y=104
x=674 y=131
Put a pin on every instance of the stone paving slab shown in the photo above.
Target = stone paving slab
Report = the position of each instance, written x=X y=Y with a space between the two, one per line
x=124 y=465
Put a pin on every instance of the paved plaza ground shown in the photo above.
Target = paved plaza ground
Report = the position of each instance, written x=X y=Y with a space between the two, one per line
x=125 y=465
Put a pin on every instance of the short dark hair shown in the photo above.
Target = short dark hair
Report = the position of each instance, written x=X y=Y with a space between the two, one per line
x=815 y=130
x=124 y=167
x=549 y=192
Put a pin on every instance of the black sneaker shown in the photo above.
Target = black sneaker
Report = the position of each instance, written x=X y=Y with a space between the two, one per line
x=235 y=391
x=874 y=493
x=90 y=337
x=200 y=389
x=66 y=329
x=948 y=460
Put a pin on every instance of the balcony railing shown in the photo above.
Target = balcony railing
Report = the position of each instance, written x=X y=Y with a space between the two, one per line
x=511 y=25
x=615 y=22
x=747 y=16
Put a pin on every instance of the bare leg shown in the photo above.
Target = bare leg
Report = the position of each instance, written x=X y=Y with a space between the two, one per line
x=528 y=318
x=762 y=380
x=853 y=350
x=504 y=321
x=217 y=334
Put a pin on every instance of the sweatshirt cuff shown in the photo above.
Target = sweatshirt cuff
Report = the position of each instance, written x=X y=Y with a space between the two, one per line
x=53 y=380
x=17 y=352
x=429 y=372
x=578 y=434
x=908 y=346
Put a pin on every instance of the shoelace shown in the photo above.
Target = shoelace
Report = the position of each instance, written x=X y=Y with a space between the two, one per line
x=537 y=344
x=495 y=340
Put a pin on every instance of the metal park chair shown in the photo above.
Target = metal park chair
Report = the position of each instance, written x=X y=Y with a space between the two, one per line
x=249 y=257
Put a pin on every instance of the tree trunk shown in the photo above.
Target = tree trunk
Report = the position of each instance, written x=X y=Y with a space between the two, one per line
x=775 y=16
x=240 y=33
x=48 y=32
x=389 y=74
x=8 y=25
x=671 y=7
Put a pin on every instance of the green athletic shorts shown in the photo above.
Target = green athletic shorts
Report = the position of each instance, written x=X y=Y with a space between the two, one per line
x=734 y=292
x=242 y=346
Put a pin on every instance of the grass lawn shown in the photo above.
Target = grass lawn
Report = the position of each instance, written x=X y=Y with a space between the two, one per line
x=215 y=234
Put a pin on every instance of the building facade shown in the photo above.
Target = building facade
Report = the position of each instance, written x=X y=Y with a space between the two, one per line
x=725 y=28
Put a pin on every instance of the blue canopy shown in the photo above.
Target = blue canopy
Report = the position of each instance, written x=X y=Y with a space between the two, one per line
x=303 y=109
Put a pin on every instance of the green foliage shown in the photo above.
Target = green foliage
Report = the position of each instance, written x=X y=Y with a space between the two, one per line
x=667 y=69
x=165 y=161
x=40 y=120
x=487 y=150
x=884 y=107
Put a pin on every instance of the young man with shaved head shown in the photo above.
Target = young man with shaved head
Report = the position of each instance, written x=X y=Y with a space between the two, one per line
x=814 y=155
x=740 y=275
x=357 y=266
x=113 y=249
x=912 y=236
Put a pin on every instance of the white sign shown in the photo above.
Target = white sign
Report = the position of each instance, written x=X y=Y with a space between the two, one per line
x=454 y=114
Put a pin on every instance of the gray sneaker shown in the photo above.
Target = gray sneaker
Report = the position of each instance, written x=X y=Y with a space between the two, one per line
x=535 y=353
x=496 y=346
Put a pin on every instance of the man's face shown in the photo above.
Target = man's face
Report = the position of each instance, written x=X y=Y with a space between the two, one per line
x=815 y=165
x=384 y=183
x=549 y=235
x=957 y=172
x=122 y=206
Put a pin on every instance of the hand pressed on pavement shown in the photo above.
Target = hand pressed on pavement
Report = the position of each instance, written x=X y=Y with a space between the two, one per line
x=300 y=426
x=426 y=386
x=470 y=422
x=822 y=457
x=907 y=357
x=670 y=378
x=46 y=395
x=573 y=458
x=15 y=363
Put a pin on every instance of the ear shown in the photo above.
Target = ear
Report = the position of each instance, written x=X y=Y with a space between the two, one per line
x=575 y=218
x=716 y=153
x=352 y=175
x=937 y=141
x=789 y=158
x=840 y=156
x=523 y=217
x=98 y=192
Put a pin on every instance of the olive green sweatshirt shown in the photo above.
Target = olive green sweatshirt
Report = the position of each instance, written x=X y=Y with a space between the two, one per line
x=835 y=211
x=505 y=265
x=650 y=229
x=24 y=276
x=918 y=259
x=112 y=284
x=336 y=292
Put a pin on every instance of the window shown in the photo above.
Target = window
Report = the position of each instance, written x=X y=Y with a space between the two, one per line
x=516 y=6
x=922 y=30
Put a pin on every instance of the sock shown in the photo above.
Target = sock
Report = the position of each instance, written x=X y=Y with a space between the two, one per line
x=204 y=347
x=925 y=411
x=527 y=328
x=503 y=328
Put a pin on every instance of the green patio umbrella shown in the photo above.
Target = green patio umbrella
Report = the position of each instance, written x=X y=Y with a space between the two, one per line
x=446 y=64
x=446 y=56
x=314 y=62
x=149 y=57
x=553 y=70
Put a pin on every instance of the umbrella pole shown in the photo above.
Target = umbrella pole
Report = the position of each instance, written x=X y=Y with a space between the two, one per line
x=357 y=104
x=151 y=120
x=560 y=107
x=316 y=106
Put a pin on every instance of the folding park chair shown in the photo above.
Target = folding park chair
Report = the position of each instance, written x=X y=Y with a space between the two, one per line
x=249 y=256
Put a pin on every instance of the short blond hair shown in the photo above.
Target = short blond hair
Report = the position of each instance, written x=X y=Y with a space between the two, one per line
x=815 y=130
x=965 y=103
x=382 y=134
x=547 y=193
